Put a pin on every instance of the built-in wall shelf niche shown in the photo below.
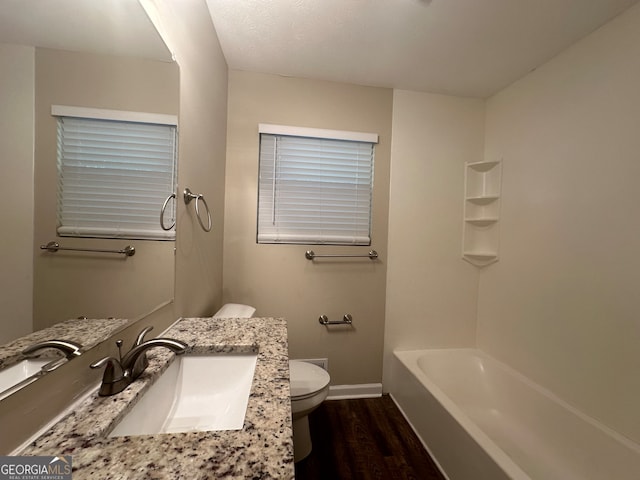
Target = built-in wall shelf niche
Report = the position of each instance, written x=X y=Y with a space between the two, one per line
x=482 y=182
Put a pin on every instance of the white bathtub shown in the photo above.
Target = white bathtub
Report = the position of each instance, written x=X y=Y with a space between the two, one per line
x=482 y=420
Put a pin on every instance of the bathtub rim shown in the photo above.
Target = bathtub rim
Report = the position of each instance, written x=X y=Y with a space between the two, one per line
x=504 y=461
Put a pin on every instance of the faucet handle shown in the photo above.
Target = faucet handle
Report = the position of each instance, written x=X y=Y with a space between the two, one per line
x=54 y=364
x=141 y=335
x=142 y=362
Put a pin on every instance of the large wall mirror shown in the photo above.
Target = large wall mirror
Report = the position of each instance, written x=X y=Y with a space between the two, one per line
x=102 y=55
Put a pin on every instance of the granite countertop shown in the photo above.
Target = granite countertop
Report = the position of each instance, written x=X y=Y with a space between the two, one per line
x=87 y=332
x=262 y=449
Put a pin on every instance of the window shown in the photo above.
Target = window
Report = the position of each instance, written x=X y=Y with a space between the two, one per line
x=115 y=171
x=315 y=186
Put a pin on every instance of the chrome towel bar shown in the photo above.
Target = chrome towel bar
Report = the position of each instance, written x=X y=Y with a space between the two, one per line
x=346 y=320
x=129 y=250
x=310 y=255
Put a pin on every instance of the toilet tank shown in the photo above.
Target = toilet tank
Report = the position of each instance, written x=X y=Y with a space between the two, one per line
x=235 y=310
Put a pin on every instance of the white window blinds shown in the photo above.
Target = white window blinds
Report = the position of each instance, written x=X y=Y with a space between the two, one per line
x=315 y=190
x=113 y=178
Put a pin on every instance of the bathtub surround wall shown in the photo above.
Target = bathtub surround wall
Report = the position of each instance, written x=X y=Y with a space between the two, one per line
x=69 y=285
x=17 y=67
x=561 y=305
x=277 y=279
x=431 y=291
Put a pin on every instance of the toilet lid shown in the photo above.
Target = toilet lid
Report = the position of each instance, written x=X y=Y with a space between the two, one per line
x=306 y=378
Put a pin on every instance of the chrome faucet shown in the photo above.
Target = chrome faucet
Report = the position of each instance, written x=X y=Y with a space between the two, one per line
x=120 y=373
x=69 y=348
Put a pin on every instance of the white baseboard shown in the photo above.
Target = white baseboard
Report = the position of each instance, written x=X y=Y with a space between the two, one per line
x=363 y=390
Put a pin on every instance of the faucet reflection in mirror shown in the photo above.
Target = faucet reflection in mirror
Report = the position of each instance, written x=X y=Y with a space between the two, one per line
x=69 y=348
x=120 y=373
x=30 y=365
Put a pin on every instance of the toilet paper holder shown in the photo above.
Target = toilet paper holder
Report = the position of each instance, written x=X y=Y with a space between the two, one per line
x=346 y=320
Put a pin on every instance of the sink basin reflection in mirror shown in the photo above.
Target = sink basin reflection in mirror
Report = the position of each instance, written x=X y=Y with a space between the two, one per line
x=196 y=393
x=19 y=372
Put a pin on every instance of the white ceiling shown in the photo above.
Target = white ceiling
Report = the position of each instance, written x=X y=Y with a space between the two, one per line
x=460 y=47
x=114 y=27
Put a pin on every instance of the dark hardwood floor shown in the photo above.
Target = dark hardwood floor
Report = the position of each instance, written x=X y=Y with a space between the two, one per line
x=364 y=439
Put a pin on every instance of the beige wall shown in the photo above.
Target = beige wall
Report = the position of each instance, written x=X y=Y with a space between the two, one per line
x=561 y=305
x=431 y=291
x=189 y=33
x=277 y=279
x=68 y=285
x=17 y=66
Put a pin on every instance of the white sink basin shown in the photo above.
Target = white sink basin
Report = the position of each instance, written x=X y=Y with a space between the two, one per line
x=196 y=392
x=19 y=372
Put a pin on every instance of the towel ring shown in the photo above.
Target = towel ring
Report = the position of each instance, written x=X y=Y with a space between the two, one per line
x=164 y=207
x=188 y=196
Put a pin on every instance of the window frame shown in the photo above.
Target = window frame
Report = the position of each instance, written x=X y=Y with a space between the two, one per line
x=294 y=237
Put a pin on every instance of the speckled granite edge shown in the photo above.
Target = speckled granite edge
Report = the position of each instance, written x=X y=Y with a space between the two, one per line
x=87 y=332
x=262 y=449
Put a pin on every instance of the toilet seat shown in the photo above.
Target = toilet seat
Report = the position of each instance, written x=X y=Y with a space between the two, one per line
x=235 y=310
x=306 y=379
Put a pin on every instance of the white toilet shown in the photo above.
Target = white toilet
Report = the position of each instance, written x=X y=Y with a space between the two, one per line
x=234 y=310
x=309 y=387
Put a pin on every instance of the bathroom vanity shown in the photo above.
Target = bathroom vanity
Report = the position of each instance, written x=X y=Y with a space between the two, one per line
x=263 y=448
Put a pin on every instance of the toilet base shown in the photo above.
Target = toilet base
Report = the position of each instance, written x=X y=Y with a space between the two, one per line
x=301 y=438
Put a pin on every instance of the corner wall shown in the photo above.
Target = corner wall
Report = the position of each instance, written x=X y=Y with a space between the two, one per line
x=562 y=304
x=188 y=31
x=431 y=291
x=17 y=98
